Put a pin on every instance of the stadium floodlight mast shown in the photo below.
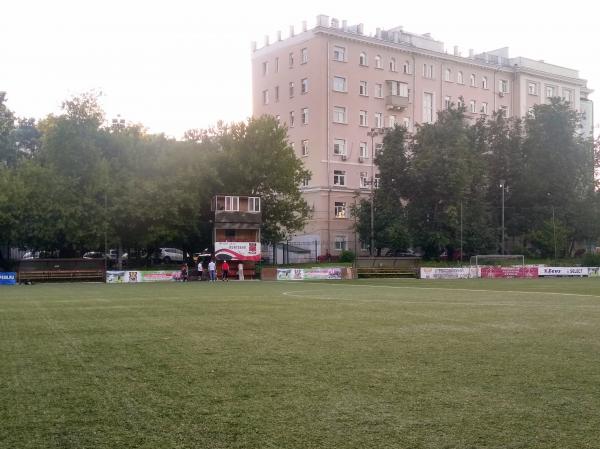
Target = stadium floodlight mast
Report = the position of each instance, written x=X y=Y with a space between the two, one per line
x=503 y=187
x=372 y=134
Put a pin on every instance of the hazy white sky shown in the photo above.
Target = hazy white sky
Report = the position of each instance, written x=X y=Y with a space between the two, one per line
x=180 y=64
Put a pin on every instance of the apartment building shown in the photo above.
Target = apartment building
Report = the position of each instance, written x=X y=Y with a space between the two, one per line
x=337 y=89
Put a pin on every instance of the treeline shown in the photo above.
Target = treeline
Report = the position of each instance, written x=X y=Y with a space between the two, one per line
x=443 y=185
x=69 y=180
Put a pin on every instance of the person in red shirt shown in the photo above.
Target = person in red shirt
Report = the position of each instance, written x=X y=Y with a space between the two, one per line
x=225 y=270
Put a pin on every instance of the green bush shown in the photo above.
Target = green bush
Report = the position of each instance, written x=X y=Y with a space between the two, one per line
x=347 y=256
x=591 y=260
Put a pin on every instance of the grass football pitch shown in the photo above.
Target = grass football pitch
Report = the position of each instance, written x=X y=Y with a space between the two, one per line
x=330 y=364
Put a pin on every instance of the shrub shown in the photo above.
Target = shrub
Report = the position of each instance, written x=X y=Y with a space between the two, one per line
x=591 y=260
x=347 y=256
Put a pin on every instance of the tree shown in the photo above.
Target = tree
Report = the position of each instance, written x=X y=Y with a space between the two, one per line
x=8 y=154
x=256 y=159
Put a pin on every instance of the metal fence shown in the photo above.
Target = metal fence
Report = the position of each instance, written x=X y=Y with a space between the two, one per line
x=291 y=252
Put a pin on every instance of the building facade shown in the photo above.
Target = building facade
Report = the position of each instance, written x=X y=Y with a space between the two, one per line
x=337 y=89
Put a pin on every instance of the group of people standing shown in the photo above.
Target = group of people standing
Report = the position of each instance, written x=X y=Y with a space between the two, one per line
x=212 y=271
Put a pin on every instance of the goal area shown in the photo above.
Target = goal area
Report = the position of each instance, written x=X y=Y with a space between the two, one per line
x=501 y=260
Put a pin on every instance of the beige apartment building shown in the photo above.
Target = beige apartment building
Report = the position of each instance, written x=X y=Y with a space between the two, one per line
x=337 y=89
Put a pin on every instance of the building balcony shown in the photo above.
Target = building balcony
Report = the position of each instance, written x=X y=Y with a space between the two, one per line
x=396 y=102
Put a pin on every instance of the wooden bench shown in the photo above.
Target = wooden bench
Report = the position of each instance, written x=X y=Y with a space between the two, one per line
x=51 y=275
x=367 y=272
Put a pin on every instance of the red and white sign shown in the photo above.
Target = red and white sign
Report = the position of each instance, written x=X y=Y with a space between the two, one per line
x=509 y=272
x=237 y=251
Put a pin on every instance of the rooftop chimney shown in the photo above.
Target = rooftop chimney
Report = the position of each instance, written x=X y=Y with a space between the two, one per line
x=322 y=20
x=378 y=33
x=279 y=35
x=304 y=25
x=471 y=53
x=456 y=50
x=266 y=40
x=253 y=46
x=345 y=25
x=291 y=30
x=360 y=28
x=335 y=23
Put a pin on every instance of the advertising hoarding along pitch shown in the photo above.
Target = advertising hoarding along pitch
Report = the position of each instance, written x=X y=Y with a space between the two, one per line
x=237 y=251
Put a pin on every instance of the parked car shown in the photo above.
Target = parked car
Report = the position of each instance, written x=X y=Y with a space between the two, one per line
x=38 y=255
x=401 y=253
x=112 y=254
x=93 y=255
x=168 y=255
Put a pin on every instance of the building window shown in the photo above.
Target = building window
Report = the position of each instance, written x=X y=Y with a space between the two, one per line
x=427 y=107
x=392 y=121
x=278 y=118
x=339 y=178
x=378 y=64
x=406 y=122
x=376 y=181
x=531 y=111
x=379 y=90
x=339 y=147
x=406 y=68
x=339 y=54
x=392 y=64
x=305 y=148
x=305 y=116
x=265 y=68
x=305 y=181
x=378 y=148
x=532 y=88
x=484 y=108
x=304 y=86
x=428 y=71
x=363 y=150
x=504 y=110
x=276 y=65
x=304 y=55
x=291 y=59
x=362 y=88
x=503 y=86
x=276 y=94
x=472 y=106
x=447 y=102
x=362 y=118
x=549 y=91
x=398 y=89
x=378 y=120
x=484 y=83
x=473 y=80
x=291 y=119
x=567 y=95
x=232 y=203
x=362 y=59
x=364 y=180
x=340 y=242
x=448 y=75
x=291 y=89
x=339 y=114
x=339 y=84
x=253 y=204
x=340 y=209
x=459 y=78
x=265 y=97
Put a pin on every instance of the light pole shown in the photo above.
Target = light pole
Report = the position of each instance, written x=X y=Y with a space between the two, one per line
x=553 y=225
x=374 y=132
x=502 y=186
x=355 y=196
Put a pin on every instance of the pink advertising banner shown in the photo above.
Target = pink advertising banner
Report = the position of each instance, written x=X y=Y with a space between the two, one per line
x=509 y=272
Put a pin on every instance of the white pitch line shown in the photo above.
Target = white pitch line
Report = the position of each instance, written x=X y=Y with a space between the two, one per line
x=462 y=289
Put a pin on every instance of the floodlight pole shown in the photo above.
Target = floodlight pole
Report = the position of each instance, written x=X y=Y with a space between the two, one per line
x=461 y=232
x=554 y=232
x=502 y=186
x=374 y=132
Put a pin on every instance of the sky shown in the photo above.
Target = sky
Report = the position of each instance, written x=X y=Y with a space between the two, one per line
x=176 y=65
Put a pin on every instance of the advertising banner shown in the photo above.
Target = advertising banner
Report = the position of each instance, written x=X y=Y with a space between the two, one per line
x=323 y=273
x=8 y=278
x=563 y=271
x=298 y=274
x=447 y=273
x=118 y=277
x=509 y=272
x=237 y=251
x=290 y=274
x=593 y=271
